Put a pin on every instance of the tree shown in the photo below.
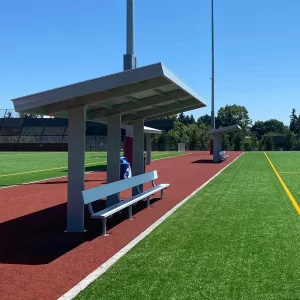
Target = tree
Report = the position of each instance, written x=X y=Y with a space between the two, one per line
x=192 y=119
x=206 y=119
x=181 y=117
x=263 y=135
x=267 y=143
x=186 y=119
x=290 y=141
x=171 y=117
x=226 y=143
x=251 y=142
x=8 y=115
x=27 y=115
x=233 y=115
x=298 y=126
x=238 y=141
x=294 y=121
x=196 y=137
x=258 y=129
x=183 y=134
x=161 y=141
x=274 y=126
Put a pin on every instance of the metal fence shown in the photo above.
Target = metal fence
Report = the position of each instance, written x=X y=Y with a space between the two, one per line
x=31 y=133
x=40 y=133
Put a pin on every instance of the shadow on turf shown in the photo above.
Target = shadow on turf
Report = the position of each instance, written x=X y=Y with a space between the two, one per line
x=39 y=238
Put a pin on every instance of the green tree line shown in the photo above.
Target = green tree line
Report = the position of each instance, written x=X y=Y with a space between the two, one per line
x=260 y=135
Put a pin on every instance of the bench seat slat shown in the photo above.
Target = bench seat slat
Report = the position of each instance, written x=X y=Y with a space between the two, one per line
x=103 y=191
x=123 y=204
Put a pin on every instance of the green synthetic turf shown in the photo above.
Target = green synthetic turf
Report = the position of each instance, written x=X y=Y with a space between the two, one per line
x=238 y=238
x=35 y=166
x=288 y=166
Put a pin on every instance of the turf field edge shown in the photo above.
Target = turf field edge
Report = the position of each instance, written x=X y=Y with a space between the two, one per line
x=88 y=172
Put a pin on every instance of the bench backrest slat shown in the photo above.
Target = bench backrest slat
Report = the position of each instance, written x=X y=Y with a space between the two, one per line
x=105 y=190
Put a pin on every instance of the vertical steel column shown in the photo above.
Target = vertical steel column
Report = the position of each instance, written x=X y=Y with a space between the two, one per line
x=76 y=169
x=148 y=147
x=138 y=151
x=113 y=154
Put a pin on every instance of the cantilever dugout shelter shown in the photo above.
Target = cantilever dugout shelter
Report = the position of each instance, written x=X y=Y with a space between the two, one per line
x=217 y=137
x=149 y=131
x=128 y=97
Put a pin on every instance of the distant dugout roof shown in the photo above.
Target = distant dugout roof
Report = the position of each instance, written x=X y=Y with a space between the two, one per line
x=149 y=92
x=223 y=130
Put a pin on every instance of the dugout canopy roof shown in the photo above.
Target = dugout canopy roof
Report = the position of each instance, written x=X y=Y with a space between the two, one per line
x=148 y=92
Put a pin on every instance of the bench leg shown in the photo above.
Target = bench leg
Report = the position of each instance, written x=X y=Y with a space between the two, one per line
x=148 y=202
x=161 y=194
x=130 y=212
x=104 y=227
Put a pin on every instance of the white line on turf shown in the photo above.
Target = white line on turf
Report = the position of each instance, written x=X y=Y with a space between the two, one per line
x=172 y=156
x=52 y=178
x=32 y=182
x=104 y=267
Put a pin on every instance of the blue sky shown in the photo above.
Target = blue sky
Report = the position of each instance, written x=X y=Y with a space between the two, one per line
x=46 y=44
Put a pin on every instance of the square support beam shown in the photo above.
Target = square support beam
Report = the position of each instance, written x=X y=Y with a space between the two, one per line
x=217 y=147
x=129 y=130
x=138 y=151
x=113 y=154
x=76 y=169
x=148 y=148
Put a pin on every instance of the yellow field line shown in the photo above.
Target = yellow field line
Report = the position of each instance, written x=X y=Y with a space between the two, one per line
x=44 y=170
x=291 y=197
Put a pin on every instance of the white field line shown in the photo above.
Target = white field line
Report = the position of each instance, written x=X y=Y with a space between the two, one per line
x=26 y=183
x=32 y=182
x=105 y=266
x=171 y=156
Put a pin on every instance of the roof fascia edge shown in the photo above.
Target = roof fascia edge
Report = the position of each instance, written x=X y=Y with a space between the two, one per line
x=178 y=81
x=33 y=101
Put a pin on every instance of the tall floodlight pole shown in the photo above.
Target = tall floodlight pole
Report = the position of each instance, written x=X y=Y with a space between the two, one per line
x=129 y=58
x=212 y=68
x=129 y=64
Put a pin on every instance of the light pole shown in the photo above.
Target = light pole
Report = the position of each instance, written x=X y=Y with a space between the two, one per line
x=212 y=68
x=129 y=58
x=129 y=63
x=212 y=116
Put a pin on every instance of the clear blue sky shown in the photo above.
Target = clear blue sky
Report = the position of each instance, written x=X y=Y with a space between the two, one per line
x=46 y=44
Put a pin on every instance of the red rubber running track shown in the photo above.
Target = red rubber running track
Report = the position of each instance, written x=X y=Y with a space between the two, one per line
x=39 y=261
